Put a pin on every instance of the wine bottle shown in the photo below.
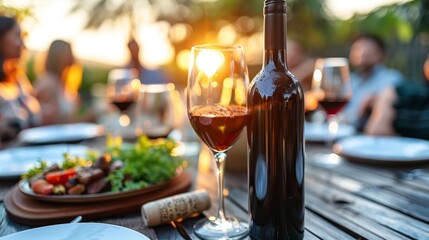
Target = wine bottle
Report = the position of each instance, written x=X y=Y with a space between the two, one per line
x=275 y=138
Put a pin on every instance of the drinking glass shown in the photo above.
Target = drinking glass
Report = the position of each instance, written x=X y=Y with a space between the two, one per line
x=217 y=109
x=122 y=91
x=332 y=88
x=155 y=110
x=331 y=84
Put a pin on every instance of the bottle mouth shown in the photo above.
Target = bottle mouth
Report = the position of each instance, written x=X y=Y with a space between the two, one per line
x=275 y=6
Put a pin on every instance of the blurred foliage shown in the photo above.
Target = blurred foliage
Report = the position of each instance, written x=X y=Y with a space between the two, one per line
x=18 y=13
x=309 y=20
x=400 y=21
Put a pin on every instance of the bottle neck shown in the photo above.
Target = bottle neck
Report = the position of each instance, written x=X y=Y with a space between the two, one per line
x=278 y=57
x=275 y=35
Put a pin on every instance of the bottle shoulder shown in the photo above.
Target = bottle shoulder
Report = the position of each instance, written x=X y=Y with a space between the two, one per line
x=275 y=81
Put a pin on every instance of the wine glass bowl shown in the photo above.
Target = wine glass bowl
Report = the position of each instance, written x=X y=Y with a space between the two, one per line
x=155 y=110
x=122 y=91
x=217 y=109
x=331 y=84
x=228 y=119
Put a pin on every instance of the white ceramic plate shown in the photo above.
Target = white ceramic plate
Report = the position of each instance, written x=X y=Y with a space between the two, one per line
x=383 y=150
x=78 y=231
x=62 y=133
x=319 y=132
x=16 y=161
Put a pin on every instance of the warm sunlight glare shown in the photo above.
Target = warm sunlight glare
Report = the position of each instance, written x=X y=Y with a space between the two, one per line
x=240 y=92
x=182 y=59
x=227 y=34
x=156 y=47
x=226 y=94
x=209 y=61
x=73 y=75
x=180 y=31
x=205 y=160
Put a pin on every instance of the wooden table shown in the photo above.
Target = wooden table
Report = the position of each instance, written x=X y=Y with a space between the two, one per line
x=344 y=200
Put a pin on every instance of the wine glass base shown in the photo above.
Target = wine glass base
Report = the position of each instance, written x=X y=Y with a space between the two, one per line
x=217 y=228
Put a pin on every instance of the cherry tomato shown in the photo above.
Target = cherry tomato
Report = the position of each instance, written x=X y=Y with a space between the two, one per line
x=60 y=177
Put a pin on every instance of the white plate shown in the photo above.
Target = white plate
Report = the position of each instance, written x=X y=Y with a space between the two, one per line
x=77 y=231
x=62 y=133
x=16 y=161
x=372 y=149
x=319 y=132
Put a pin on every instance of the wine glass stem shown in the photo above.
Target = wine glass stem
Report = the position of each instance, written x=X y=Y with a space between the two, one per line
x=333 y=128
x=220 y=165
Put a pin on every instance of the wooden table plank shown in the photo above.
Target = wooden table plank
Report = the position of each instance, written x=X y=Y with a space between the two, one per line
x=310 y=236
x=314 y=225
x=343 y=200
x=367 y=211
x=352 y=222
x=324 y=229
x=208 y=181
x=375 y=175
x=168 y=232
x=415 y=205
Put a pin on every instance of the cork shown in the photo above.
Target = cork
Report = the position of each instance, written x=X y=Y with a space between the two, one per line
x=172 y=208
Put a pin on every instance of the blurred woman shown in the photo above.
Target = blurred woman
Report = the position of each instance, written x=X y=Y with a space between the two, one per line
x=402 y=110
x=18 y=108
x=55 y=91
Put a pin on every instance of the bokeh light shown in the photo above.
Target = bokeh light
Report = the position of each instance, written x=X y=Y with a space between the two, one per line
x=209 y=61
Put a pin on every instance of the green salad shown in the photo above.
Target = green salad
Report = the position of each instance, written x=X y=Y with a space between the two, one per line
x=146 y=162
x=121 y=167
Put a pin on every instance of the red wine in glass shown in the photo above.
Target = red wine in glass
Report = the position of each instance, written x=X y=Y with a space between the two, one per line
x=122 y=105
x=333 y=106
x=218 y=126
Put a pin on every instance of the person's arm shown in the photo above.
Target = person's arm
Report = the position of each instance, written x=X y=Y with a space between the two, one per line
x=383 y=114
x=46 y=95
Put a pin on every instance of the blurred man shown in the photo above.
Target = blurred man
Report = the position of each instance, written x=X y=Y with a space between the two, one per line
x=370 y=77
x=146 y=76
x=403 y=110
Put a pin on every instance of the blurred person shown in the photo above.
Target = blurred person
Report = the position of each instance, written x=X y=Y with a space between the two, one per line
x=301 y=65
x=59 y=100
x=19 y=108
x=146 y=76
x=370 y=77
x=402 y=110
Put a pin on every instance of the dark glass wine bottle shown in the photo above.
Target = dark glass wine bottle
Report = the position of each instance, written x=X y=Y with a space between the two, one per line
x=275 y=138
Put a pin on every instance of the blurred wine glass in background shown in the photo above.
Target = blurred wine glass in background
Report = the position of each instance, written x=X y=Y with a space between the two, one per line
x=156 y=111
x=331 y=84
x=331 y=87
x=122 y=91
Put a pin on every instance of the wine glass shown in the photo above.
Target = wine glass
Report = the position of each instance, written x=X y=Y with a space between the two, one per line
x=332 y=88
x=122 y=91
x=217 y=109
x=155 y=110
